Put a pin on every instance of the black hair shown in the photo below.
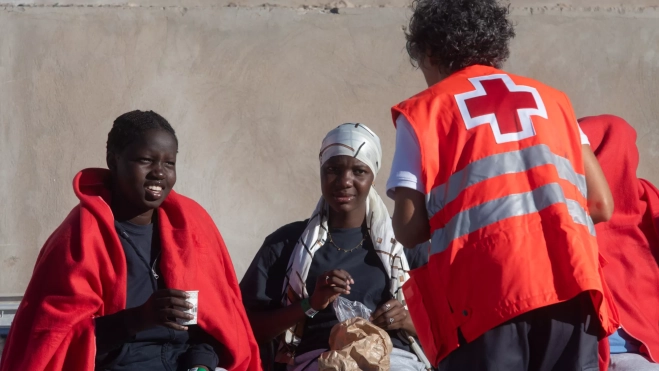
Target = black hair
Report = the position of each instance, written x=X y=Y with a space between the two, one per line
x=456 y=34
x=132 y=125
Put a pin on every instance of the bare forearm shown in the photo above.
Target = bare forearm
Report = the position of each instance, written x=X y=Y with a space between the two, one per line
x=600 y=200
x=410 y=236
x=410 y=220
x=270 y=323
x=267 y=324
x=599 y=216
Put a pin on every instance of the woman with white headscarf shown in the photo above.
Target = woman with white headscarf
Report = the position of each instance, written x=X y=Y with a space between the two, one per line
x=347 y=248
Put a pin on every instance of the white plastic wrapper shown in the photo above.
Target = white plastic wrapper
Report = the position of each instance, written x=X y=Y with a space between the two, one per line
x=346 y=309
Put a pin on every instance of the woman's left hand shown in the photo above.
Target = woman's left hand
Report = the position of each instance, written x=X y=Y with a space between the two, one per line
x=393 y=316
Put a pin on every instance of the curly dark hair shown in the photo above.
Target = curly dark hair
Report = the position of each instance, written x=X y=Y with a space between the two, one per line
x=132 y=125
x=456 y=34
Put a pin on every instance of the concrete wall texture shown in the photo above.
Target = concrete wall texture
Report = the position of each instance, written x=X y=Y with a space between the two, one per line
x=252 y=88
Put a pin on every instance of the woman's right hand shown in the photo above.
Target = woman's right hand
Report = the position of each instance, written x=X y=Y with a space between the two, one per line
x=329 y=286
x=163 y=308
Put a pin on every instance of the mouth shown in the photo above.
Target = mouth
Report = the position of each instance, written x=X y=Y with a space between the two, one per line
x=343 y=198
x=153 y=192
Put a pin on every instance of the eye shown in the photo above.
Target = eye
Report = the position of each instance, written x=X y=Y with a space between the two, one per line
x=145 y=160
x=170 y=163
x=360 y=171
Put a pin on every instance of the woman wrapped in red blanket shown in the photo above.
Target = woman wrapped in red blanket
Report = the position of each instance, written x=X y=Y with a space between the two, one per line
x=109 y=287
x=630 y=243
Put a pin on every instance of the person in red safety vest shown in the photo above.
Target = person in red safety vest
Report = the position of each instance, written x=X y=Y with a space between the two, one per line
x=492 y=168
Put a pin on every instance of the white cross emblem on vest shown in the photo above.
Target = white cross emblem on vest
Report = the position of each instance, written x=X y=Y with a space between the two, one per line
x=502 y=104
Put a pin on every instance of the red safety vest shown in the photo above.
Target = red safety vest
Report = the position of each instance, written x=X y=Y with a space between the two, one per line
x=506 y=199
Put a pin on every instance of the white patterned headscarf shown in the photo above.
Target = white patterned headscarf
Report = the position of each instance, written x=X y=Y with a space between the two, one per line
x=358 y=141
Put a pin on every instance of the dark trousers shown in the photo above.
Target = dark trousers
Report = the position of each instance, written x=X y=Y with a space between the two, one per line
x=559 y=337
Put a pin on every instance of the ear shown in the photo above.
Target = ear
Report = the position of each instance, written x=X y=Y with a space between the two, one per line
x=111 y=161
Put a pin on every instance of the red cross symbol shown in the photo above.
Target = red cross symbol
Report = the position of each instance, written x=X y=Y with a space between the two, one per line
x=502 y=104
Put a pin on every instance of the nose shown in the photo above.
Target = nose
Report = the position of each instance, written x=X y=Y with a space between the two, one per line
x=158 y=171
x=346 y=179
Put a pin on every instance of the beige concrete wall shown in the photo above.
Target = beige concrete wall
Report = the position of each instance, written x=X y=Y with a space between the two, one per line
x=252 y=90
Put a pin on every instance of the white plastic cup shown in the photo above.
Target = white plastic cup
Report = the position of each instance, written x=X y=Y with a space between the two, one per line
x=194 y=300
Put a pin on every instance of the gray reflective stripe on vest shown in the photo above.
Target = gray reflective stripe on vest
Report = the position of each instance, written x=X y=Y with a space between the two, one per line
x=519 y=204
x=499 y=164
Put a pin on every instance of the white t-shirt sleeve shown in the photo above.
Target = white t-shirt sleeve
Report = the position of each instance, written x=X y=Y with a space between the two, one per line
x=584 y=138
x=406 y=166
